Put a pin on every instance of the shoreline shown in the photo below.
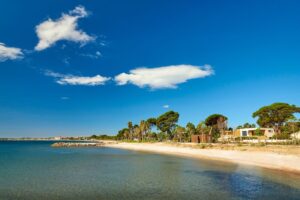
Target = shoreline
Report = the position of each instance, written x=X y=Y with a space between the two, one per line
x=265 y=159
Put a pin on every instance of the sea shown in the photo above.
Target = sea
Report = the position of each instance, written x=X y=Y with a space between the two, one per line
x=35 y=170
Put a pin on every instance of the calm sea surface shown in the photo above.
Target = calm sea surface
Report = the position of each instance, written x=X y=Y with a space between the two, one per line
x=34 y=170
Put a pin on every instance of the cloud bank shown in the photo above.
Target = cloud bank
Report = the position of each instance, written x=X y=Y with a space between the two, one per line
x=163 y=77
x=69 y=79
x=9 y=53
x=64 y=28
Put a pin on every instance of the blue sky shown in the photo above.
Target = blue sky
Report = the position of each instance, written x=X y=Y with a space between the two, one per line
x=88 y=67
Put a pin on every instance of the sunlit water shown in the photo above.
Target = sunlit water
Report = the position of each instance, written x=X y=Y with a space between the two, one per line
x=34 y=170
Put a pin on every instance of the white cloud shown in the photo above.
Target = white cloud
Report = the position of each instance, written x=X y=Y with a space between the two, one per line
x=163 y=77
x=64 y=28
x=63 y=79
x=83 y=80
x=9 y=53
x=166 y=106
x=96 y=55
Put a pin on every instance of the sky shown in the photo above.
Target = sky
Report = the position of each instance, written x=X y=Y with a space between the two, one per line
x=71 y=68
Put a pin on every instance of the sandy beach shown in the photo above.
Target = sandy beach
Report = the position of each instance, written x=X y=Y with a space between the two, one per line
x=285 y=158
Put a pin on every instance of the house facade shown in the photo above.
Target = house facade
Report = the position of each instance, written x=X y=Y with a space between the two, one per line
x=249 y=132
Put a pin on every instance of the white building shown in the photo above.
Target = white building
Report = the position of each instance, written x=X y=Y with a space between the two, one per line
x=248 y=132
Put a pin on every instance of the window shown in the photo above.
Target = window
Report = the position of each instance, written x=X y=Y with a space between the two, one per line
x=244 y=133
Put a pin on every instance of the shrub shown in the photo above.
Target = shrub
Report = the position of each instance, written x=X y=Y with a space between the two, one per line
x=281 y=136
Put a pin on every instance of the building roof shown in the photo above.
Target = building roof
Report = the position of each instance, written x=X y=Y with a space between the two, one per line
x=253 y=129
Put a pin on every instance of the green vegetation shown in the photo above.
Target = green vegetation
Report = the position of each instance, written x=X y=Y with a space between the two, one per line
x=247 y=125
x=276 y=115
x=217 y=124
x=167 y=123
x=279 y=116
x=165 y=128
x=258 y=132
x=102 y=137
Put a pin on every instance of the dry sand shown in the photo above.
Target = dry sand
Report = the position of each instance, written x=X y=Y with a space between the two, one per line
x=285 y=158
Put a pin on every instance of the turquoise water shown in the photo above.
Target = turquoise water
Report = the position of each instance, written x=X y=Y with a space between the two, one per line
x=34 y=170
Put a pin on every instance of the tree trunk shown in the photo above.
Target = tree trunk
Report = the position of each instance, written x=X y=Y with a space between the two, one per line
x=210 y=137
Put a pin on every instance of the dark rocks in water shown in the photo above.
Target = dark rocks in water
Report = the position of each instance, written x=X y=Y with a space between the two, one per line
x=77 y=144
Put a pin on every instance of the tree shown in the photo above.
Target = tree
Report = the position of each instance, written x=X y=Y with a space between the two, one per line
x=144 y=127
x=217 y=124
x=258 y=132
x=190 y=130
x=202 y=128
x=151 y=123
x=179 y=132
x=275 y=115
x=137 y=132
x=167 y=121
x=294 y=125
x=124 y=133
x=130 y=129
x=94 y=137
x=246 y=125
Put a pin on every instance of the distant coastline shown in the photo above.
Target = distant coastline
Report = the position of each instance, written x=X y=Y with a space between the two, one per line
x=45 y=139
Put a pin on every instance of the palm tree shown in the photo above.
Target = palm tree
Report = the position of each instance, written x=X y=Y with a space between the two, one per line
x=126 y=134
x=143 y=128
x=202 y=128
x=130 y=128
x=179 y=131
x=190 y=130
x=137 y=132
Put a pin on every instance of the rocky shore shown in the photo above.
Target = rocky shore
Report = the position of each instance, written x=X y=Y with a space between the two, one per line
x=78 y=144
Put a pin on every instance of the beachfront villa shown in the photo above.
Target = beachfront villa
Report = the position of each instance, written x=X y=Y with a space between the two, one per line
x=250 y=132
x=261 y=133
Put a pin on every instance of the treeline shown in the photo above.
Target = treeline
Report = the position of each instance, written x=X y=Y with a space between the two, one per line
x=168 y=129
x=279 y=116
x=102 y=137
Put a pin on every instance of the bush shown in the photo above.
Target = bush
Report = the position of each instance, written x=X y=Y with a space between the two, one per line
x=202 y=146
x=245 y=138
x=281 y=136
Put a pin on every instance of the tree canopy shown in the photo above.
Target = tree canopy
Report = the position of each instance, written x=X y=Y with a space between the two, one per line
x=280 y=116
x=152 y=122
x=215 y=120
x=247 y=125
x=217 y=124
x=191 y=129
x=275 y=115
x=167 y=121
